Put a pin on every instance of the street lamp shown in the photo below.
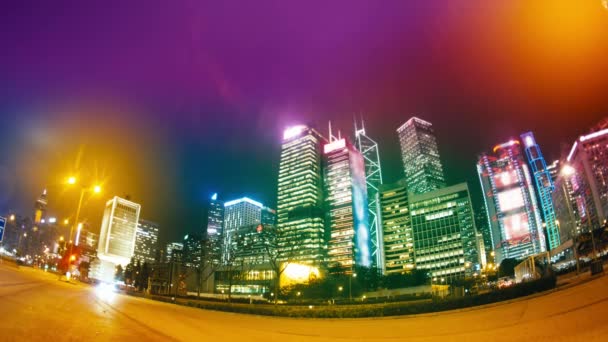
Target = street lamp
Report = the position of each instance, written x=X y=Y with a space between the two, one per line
x=350 y=287
x=95 y=189
x=12 y=217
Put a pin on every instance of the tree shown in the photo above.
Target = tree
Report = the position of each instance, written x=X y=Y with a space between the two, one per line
x=119 y=274
x=507 y=267
x=279 y=258
x=142 y=277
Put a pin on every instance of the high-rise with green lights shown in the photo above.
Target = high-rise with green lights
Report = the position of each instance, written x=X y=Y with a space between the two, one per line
x=445 y=238
x=300 y=216
x=420 y=155
x=397 y=234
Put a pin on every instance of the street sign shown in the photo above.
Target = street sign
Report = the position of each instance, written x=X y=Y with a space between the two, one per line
x=2 y=226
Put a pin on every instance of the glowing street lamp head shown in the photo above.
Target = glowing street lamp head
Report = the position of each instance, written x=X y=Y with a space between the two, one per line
x=12 y=217
x=97 y=189
x=71 y=180
x=568 y=170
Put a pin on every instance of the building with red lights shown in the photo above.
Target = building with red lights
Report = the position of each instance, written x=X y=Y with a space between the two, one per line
x=513 y=213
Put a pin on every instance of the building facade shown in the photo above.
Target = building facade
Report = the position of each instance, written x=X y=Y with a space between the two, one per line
x=373 y=178
x=172 y=249
x=544 y=188
x=510 y=200
x=346 y=201
x=588 y=160
x=396 y=228
x=238 y=213
x=117 y=237
x=420 y=155
x=193 y=250
x=146 y=241
x=300 y=216
x=445 y=238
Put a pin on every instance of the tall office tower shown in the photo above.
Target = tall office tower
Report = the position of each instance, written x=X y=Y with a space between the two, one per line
x=40 y=207
x=117 y=237
x=445 y=238
x=215 y=222
x=396 y=228
x=300 y=215
x=420 y=155
x=346 y=201
x=544 y=187
x=171 y=248
x=146 y=241
x=193 y=250
x=373 y=178
x=483 y=227
x=510 y=200
x=588 y=162
x=238 y=213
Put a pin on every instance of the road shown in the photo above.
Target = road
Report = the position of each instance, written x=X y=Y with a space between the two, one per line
x=36 y=306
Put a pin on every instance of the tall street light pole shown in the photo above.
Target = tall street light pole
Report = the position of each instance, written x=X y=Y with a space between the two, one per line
x=76 y=225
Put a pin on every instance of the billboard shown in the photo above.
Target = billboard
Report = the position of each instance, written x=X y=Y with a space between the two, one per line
x=516 y=227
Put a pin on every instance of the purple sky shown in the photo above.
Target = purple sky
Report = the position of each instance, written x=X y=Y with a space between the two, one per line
x=198 y=90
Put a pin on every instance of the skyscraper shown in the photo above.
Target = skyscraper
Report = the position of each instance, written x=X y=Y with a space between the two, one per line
x=544 y=187
x=300 y=217
x=193 y=250
x=373 y=177
x=396 y=228
x=445 y=238
x=420 y=155
x=510 y=200
x=588 y=160
x=346 y=201
x=146 y=241
x=215 y=222
x=117 y=237
x=239 y=213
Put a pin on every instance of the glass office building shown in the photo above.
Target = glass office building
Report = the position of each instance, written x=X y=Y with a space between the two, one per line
x=420 y=155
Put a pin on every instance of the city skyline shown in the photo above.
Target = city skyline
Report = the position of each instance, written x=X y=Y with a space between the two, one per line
x=197 y=119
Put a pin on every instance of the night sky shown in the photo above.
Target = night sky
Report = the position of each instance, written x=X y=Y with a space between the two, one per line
x=170 y=101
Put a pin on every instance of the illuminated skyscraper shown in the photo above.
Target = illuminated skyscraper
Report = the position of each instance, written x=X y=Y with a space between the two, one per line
x=445 y=238
x=193 y=250
x=396 y=228
x=117 y=237
x=373 y=177
x=420 y=155
x=588 y=160
x=346 y=201
x=544 y=187
x=146 y=241
x=300 y=215
x=510 y=200
x=215 y=222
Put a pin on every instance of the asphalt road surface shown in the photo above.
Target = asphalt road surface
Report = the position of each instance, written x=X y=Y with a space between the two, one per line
x=37 y=306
